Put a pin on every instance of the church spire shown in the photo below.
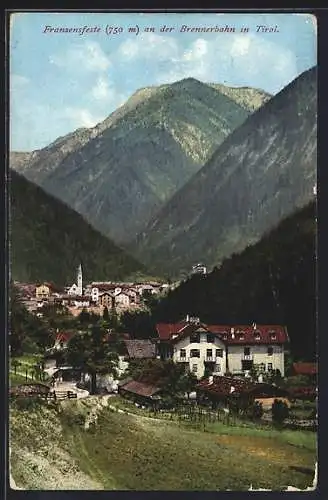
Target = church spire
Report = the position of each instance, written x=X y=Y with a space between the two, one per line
x=79 y=280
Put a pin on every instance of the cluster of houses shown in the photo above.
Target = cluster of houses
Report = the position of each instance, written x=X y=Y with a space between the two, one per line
x=205 y=350
x=93 y=297
x=222 y=357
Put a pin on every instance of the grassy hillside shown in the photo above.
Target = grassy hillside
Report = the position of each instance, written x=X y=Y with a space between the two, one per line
x=48 y=240
x=134 y=452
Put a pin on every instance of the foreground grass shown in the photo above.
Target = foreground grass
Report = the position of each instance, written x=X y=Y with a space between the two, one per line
x=140 y=453
x=16 y=379
x=303 y=439
x=134 y=452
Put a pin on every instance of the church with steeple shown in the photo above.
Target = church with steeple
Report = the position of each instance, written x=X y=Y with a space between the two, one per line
x=77 y=288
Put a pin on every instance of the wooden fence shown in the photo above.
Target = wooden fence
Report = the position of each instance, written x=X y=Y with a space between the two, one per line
x=197 y=416
x=52 y=395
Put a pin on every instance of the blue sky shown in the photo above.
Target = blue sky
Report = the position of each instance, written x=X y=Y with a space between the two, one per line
x=62 y=81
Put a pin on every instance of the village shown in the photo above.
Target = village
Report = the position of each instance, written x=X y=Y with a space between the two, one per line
x=216 y=366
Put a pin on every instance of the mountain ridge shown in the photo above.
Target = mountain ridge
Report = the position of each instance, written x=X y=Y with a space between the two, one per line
x=141 y=154
x=48 y=240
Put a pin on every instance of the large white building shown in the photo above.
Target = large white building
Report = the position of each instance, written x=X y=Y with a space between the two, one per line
x=222 y=349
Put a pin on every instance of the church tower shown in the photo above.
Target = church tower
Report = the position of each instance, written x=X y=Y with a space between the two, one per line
x=79 y=290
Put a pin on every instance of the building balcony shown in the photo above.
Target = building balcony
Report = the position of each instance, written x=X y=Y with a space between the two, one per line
x=210 y=359
x=248 y=357
x=183 y=359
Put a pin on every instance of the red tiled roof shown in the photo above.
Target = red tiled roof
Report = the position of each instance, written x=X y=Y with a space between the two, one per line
x=166 y=330
x=221 y=386
x=64 y=336
x=242 y=334
x=140 y=388
x=305 y=368
x=247 y=334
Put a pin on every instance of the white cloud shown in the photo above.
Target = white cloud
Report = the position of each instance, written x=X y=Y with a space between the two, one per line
x=236 y=59
x=148 y=46
x=240 y=45
x=105 y=91
x=101 y=90
x=87 y=56
x=81 y=117
x=197 y=50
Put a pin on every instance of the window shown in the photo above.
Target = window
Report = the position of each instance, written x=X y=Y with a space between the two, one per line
x=257 y=335
x=269 y=367
x=262 y=367
x=194 y=368
x=217 y=368
x=270 y=351
x=195 y=338
x=209 y=353
x=210 y=338
x=182 y=353
x=246 y=364
x=194 y=353
x=247 y=351
x=219 y=353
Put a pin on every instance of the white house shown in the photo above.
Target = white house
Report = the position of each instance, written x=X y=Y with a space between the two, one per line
x=220 y=349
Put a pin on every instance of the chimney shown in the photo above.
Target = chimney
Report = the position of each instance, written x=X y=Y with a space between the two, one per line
x=254 y=325
x=187 y=318
x=232 y=331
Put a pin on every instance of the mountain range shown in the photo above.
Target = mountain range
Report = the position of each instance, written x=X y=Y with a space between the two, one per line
x=262 y=172
x=121 y=172
x=48 y=240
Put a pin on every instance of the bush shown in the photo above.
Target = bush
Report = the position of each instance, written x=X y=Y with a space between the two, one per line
x=73 y=415
x=27 y=403
x=280 y=412
x=256 y=411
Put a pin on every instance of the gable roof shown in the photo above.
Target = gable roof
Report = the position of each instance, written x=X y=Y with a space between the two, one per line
x=140 y=388
x=248 y=334
x=64 y=336
x=229 y=334
x=140 y=349
x=302 y=368
x=225 y=386
x=166 y=330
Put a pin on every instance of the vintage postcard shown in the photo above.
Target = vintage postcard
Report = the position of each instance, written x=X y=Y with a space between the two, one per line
x=162 y=182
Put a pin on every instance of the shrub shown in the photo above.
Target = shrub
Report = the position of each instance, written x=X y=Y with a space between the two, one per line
x=256 y=411
x=29 y=403
x=280 y=411
x=73 y=415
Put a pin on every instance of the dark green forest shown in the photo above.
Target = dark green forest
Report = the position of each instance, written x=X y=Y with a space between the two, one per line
x=48 y=240
x=271 y=282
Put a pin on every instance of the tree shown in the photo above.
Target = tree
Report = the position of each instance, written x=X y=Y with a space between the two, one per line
x=91 y=352
x=15 y=364
x=105 y=314
x=280 y=411
x=19 y=318
x=139 y=325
